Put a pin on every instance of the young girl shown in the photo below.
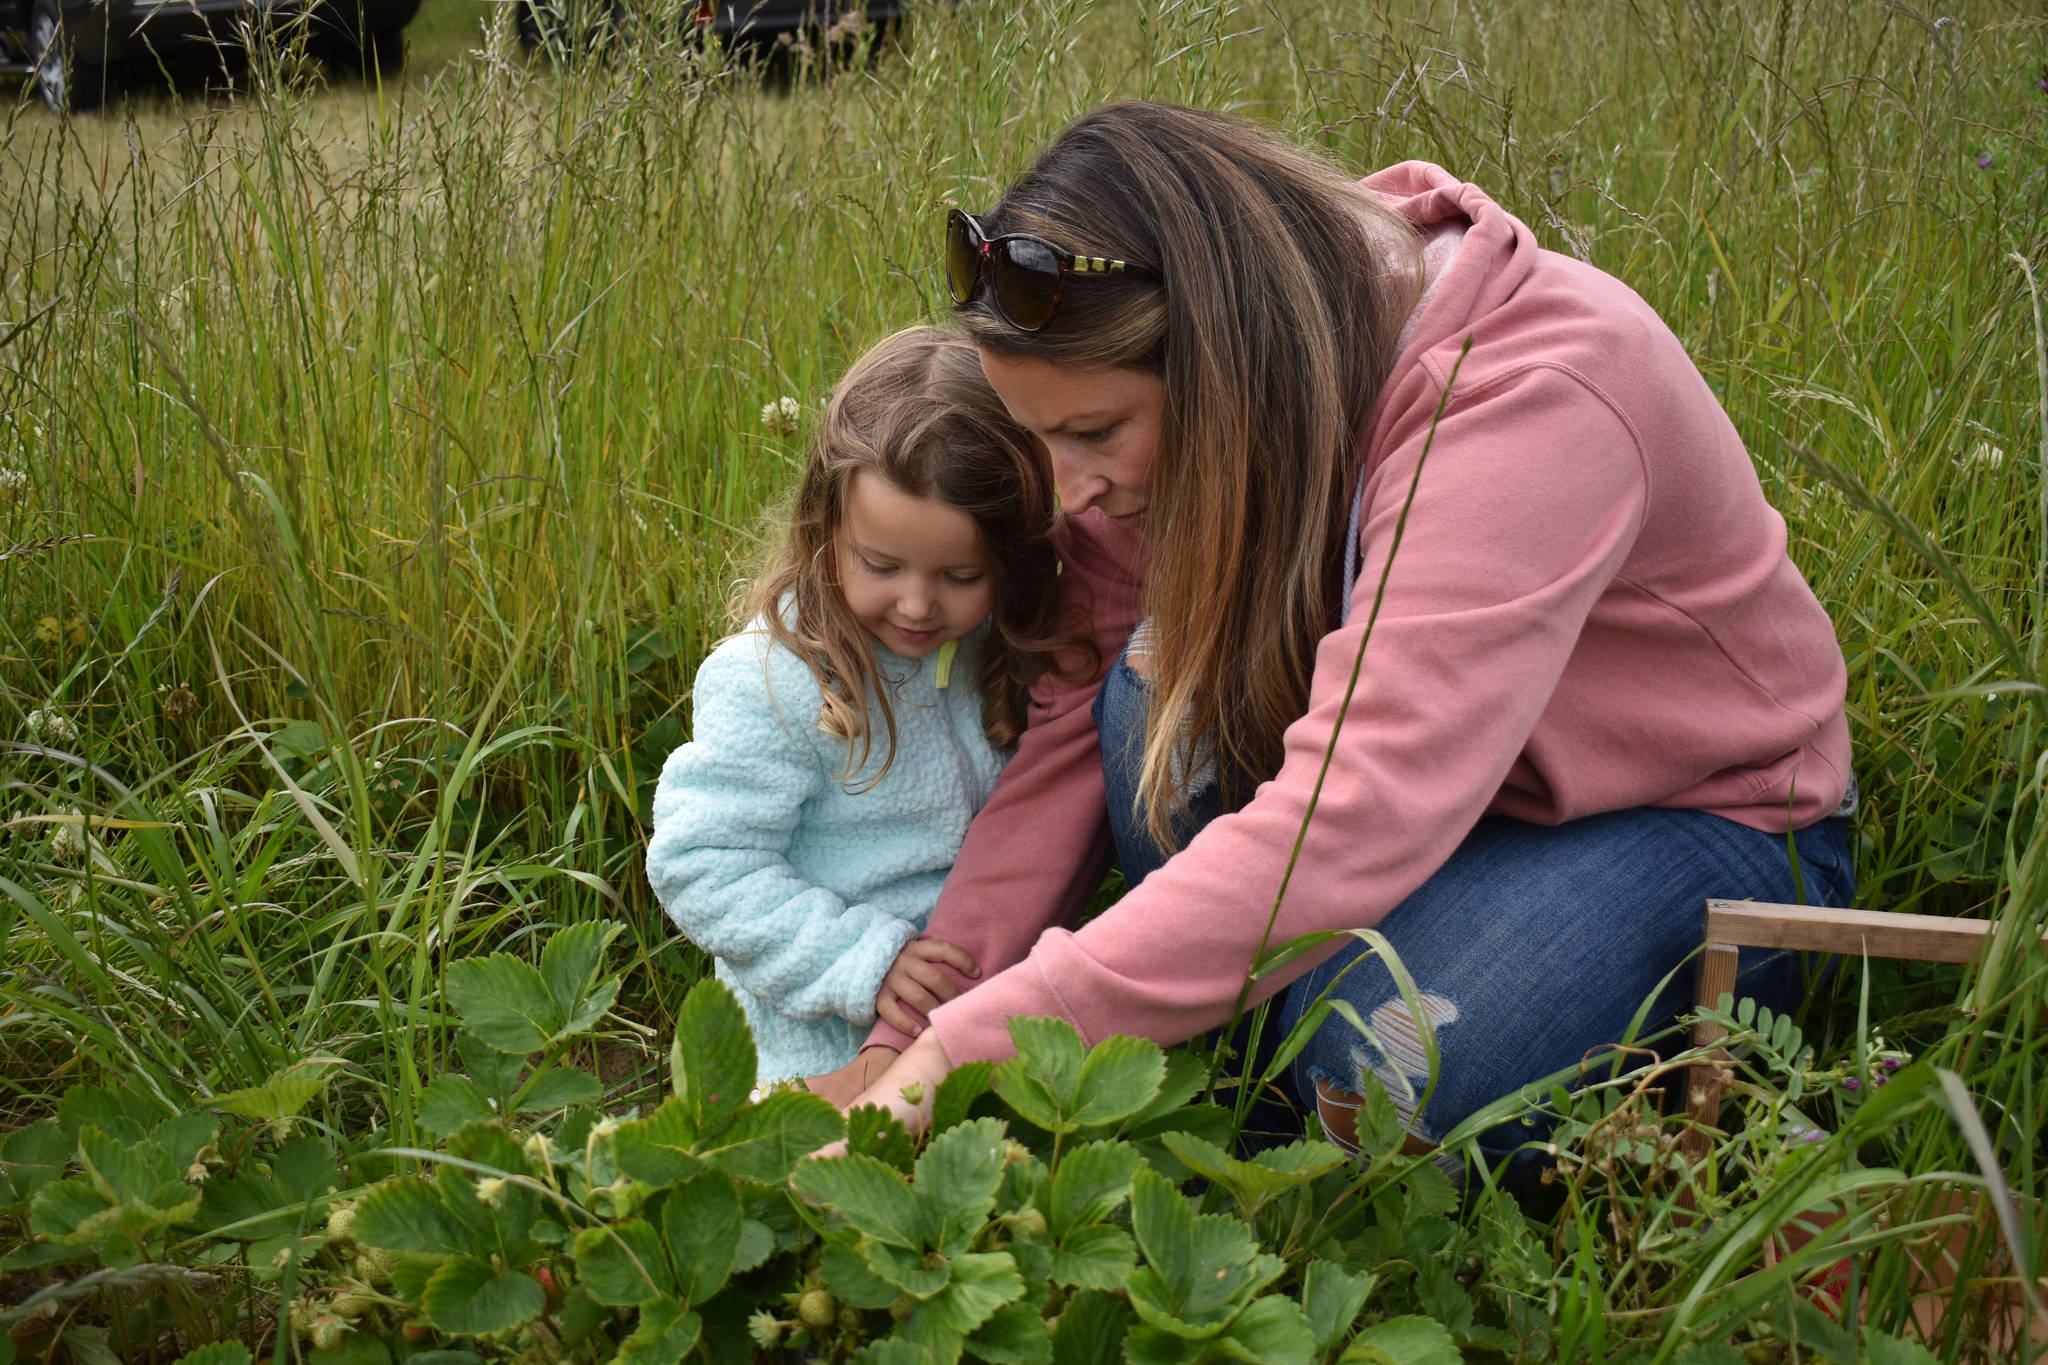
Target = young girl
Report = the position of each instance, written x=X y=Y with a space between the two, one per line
x=851 y=729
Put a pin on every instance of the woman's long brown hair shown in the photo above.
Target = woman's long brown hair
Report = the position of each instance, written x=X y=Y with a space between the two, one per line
x=916 y=411
x=1276 y=295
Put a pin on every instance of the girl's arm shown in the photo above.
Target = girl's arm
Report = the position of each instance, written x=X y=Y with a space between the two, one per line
x=1038 y=850
x=725 y=811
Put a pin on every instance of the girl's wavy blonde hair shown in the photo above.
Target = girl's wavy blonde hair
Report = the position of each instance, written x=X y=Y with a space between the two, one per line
x=916 y=411
x=1277 y=294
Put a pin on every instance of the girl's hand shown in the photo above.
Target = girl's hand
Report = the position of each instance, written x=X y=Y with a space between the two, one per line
x=914 y=982
x=848 y=1081
x=921 y=1067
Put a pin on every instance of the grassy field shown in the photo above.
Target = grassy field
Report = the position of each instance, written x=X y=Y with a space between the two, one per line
x=374 y=466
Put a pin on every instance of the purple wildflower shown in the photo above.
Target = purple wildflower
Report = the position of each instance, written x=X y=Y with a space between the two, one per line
x=2042 y=84
x=1888 y=1064
x=1984 y=162
x=1878 y=1080
x=1851 y=1083
x=1814 y=1137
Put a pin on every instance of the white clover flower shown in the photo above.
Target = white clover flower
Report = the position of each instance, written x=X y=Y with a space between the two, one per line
x=13 y=482
x=66 y=844
x=1984 y=455
x=52 y=725
x=782 y=415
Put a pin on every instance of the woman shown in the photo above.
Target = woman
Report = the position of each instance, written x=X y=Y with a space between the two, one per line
x=1284 y=410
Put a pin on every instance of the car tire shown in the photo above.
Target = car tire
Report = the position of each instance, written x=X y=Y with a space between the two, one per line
x=63 y=85
x=380 y=53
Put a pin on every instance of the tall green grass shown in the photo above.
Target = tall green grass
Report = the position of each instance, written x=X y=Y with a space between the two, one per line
x=385 y=461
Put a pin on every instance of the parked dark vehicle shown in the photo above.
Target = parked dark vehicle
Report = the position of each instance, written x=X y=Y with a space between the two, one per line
x=74 y=50
x=562 y=27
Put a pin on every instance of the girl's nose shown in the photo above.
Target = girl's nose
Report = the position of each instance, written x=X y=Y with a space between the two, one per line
x=915 y=601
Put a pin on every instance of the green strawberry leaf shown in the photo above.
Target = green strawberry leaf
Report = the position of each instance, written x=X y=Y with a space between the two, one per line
x=700 y=1220
x=981 y=1283
x=1403 y=1341
x=765 y=1141
x=1095 y=1257
x=304 y=1169
x=847 y=1275
x=70 y=1212
x=1271 y=1331
x=1015 y=1335
x=868 y=1194
x=1043 y=1080
x=1198 y=1268
x=659 y=1149
x=956 y=1095
x=872 y=1130
x=497 y=1072
x=622 y=1263
x=405 y=1214
x=1253 y=1183
x=503 y=1001
x=558 y=1087
x=1332 y=1300
x=957 y=1179
x=570 y=963
x=663 y=1336
x=220 y=1353
x=1093 y=1179
x=282 y=1096
x=712 y=1061
x=33 y=1156
x=904 y=1269
x=125 y=1173
x=469 y=1297
x=1092 y=1330
x=1149 y=1345
x=450 y=1101
x=1120 y=1077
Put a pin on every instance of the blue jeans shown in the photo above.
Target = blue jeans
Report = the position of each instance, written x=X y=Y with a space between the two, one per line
x=1531 y=949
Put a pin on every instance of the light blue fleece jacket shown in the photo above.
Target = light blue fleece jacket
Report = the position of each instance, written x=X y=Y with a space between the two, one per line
x=803 y=892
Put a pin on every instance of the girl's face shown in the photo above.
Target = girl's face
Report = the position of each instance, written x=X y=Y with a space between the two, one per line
x=913 y=570
x=1100 y=428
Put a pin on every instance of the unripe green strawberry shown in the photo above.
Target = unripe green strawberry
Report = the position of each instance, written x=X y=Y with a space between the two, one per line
x=373 y=1267
x=327 y=1332
x=1028 y=1222
x=341 y=1223
x=352 y=1304
x=816 y=1309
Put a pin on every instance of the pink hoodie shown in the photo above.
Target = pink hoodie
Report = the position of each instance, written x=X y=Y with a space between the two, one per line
x=1592 y=609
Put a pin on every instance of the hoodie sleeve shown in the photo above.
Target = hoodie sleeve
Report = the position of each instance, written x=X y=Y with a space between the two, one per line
x=725 y=809
x=1038 y=850
x=1531 y=496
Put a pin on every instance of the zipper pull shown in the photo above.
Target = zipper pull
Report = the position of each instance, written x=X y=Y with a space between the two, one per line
x=942 y=670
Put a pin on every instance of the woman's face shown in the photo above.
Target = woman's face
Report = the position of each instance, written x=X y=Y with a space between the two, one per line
x=1100 y=428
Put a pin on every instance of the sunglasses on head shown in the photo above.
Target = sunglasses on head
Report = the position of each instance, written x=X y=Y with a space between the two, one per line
x=1026 y=275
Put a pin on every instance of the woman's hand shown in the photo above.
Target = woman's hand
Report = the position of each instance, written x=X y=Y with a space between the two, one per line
x=842 y=1086
x=920 y=1069
x=914 y=982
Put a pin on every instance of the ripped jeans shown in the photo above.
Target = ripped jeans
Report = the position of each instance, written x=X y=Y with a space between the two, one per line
x=1531 y=949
